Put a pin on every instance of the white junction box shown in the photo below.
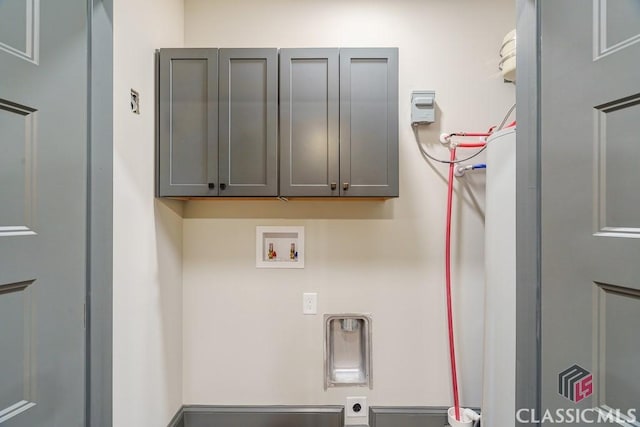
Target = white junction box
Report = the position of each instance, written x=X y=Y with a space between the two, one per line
x=423 y=107
x=279 y=247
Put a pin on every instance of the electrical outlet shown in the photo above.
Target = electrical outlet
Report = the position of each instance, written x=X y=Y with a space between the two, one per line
x=310 y=303
x=356 y=407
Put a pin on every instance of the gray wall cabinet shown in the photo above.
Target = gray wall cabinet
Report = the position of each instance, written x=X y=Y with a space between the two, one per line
x=369 y=122
x=188 y=122
x=248 y=134
x=309 y=122
x=218 y=141
x=338 y=122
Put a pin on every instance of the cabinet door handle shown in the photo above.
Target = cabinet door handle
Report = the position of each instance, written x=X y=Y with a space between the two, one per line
x=345 y=186
x=334 y=185
x=212 y=186
x=223 y=185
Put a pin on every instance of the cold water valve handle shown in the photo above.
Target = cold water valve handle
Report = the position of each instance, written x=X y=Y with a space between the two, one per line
x=460 y=170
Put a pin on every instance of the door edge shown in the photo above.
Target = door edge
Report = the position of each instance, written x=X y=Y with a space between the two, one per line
x=528 y=226
x=99 y=257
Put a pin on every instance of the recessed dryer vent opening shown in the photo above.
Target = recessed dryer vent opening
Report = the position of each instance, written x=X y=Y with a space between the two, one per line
x=347 y=350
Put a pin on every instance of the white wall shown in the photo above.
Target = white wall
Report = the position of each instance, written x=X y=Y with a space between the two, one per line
x=245 y=338
x=147 y=282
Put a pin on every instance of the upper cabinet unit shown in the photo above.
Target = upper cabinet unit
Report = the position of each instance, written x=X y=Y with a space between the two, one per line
x=369 y=122
x=337 y=111
x=188 y=122
x=218 y=140
x=248 y=135
x=309 y=122
x=339 y=122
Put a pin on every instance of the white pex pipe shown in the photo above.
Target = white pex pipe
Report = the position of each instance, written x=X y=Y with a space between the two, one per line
x=467 y=417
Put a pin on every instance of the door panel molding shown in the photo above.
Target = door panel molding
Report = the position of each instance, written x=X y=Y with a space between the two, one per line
x=20 y=316
x=26 y=146
x=615 y=307
x=600 y=32
x=613 y=215
x=15 y=287
x=15 y=410
x=30 y=51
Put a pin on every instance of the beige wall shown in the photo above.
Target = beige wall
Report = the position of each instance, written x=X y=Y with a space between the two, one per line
x=245 y=338
x=147 y=291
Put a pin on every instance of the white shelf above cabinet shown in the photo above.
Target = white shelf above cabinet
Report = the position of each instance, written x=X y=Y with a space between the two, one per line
x=279 y=247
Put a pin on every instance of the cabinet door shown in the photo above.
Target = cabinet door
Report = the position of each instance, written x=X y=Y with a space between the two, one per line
x=369 y=122
x=309 y=122
x=188 y=120
x=248 y=145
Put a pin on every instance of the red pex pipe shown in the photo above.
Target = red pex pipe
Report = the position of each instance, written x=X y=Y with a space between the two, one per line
x=471 y=145
x=452 y=350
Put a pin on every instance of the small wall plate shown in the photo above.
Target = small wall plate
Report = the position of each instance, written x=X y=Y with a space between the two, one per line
x=135 y=102
x=279 y=247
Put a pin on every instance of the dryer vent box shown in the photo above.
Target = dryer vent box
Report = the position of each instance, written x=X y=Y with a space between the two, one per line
x=347 y=346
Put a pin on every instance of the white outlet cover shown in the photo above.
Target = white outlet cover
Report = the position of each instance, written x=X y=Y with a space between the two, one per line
x=351 y=401
x=310 y=303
